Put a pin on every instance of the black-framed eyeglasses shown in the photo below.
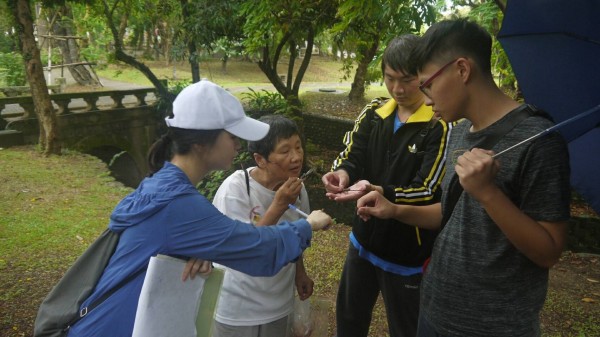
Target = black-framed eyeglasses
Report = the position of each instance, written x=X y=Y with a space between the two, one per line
x=425 y=87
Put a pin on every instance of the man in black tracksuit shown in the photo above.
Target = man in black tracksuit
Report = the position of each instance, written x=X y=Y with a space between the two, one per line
x=397 y=147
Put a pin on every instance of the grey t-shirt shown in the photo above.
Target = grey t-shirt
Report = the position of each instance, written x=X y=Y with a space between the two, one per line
x=478 y=283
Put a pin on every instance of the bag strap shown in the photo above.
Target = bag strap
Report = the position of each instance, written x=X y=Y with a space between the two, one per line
x=455 y=189
x=86 y=310
x=425 y=131
x=247 y=178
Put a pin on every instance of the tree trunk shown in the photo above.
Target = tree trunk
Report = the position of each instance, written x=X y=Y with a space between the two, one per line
x=49 y=133
x=123 y=25
x=69 y=48
x=224 y=64
x=193 y=58
x=149 y=39
x=357 y=90
x=166 y=40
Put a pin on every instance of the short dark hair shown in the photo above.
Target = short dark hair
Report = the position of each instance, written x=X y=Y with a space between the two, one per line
x=281 y=127
x=398 y=52
x=450 y=39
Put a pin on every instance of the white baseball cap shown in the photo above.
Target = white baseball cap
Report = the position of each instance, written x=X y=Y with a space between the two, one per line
x=206 y=106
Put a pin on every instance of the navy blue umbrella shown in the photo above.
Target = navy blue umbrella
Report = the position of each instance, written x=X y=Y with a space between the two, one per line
x=554 y=49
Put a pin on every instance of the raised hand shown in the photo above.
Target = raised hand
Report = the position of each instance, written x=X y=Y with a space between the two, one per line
x=476 y=170
x=288 y=192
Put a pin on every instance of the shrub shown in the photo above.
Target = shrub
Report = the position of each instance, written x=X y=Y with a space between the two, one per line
x=12 y=70
x=210 y=184
x=265 y=102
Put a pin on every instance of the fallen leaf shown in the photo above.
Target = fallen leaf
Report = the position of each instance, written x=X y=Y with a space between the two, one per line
x=588 y=300
x=592 y=280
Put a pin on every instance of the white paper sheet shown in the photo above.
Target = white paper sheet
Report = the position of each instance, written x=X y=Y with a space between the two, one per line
x=167 y=306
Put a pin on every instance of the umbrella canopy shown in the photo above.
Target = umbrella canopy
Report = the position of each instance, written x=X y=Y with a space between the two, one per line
x=554 y=49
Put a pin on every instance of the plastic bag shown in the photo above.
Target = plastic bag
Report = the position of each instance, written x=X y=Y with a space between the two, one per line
x=302 y=319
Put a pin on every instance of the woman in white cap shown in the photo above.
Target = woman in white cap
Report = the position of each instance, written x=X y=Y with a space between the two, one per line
x=166 y=214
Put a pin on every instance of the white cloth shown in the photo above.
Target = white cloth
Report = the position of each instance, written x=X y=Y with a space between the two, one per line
x=247 y=300
x=167 y=306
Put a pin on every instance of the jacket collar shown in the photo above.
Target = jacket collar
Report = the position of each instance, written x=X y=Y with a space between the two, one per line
x=423 y=114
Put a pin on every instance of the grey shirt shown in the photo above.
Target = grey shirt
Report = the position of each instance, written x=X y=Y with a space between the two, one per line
x=478 y=283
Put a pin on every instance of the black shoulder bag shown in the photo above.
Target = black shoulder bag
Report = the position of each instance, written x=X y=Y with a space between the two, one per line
x=455 y=189
x=60 y=309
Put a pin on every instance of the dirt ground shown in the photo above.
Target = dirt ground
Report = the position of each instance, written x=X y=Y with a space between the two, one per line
x=574 y=288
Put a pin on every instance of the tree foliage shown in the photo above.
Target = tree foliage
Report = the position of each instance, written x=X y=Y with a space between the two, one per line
x=489 y=14
x=207 y=25
x=278 y=31
x=116 y=10
x=365 y=27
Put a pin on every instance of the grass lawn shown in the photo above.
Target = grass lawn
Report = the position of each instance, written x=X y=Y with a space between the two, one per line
x=238 y=72
x=242 y=74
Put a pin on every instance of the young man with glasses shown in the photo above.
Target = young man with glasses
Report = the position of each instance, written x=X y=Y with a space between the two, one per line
x=488 y=273
x=397 y=148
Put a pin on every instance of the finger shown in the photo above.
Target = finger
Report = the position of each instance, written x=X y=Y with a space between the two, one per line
x=206 y=268
x=364 y=213
x=287 y=183
x=194 y=269
x=310 y=287
x=297 y=184
x=325 y=179
x=484 y=152
x=367 y=199
x=187 y=270
x=301 y=293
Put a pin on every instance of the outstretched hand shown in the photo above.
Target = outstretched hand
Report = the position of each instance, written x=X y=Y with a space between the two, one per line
x=319 y=220
x=351 y=193
x=374 y=204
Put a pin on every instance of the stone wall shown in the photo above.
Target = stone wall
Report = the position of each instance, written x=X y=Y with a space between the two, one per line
x=326 y=131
